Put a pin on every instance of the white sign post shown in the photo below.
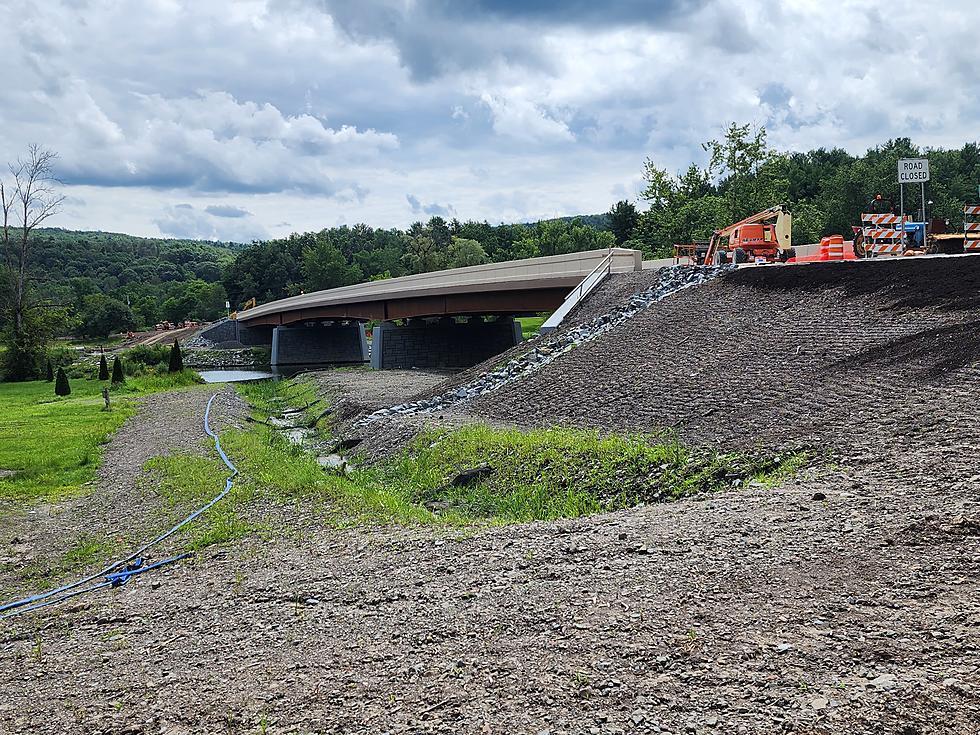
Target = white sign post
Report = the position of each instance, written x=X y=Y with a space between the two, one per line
x=913 y=171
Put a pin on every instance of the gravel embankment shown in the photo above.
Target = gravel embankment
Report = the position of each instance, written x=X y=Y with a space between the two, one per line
x=835 y=355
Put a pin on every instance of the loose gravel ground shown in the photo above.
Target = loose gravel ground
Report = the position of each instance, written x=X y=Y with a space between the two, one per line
x=835 y=355
x=120 y=507
x=844 y=601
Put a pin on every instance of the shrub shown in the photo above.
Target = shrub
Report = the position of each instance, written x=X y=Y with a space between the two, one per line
x=117 y=371
x=61 y=386
x=149 y=355
x=176 y=359
x=62 y=354
x=103 y=368
x=50 y=372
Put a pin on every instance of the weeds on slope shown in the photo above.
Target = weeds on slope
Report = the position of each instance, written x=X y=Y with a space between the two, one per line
x=542 y=474
x=555 y=473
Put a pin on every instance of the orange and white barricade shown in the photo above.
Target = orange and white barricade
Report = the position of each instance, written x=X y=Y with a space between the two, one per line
x=884 y=234
x=971 y=228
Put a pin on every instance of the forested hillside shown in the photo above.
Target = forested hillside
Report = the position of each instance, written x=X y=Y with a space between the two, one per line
x=111 y=282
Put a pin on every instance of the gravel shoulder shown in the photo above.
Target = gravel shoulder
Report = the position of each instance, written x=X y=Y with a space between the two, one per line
x=757 y=611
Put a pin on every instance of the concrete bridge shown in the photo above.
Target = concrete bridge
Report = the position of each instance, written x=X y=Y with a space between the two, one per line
x=446 y=319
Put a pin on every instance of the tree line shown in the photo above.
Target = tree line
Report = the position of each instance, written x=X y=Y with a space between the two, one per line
x=826 y=189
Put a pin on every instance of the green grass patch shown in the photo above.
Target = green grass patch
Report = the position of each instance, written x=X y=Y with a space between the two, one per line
x=531 y=325
x=83 y=551
x=559 y=473
x=53 y=444
x=537 y=475
x=187 y=482
x=541 y=474
x=86 y=550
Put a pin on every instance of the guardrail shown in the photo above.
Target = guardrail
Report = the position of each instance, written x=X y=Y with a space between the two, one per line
x=583 y=289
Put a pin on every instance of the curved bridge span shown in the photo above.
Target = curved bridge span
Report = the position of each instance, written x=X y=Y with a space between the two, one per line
x=447 y=319
x=510 y=288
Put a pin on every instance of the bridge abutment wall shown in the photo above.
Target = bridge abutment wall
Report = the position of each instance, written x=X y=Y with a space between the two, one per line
x=444 y=343
x=322 y=343
x=232 y=331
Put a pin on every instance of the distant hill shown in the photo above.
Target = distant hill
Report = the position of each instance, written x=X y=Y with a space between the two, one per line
x=158 y=278
x=598 y=221
x=113 y=259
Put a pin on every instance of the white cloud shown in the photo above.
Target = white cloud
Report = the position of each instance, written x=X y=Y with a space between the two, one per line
x=212 y=142
x=522 y=119
x=311 y=112
x=213 y=223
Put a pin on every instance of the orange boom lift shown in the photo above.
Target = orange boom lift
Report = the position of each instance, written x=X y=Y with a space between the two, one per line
x=764 y=237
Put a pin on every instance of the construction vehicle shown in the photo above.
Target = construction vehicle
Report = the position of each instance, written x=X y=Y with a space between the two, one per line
x=883 y=233
x=250 y=304
x=765 y=237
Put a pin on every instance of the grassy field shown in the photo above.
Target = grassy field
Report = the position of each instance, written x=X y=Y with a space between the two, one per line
x=52 y=444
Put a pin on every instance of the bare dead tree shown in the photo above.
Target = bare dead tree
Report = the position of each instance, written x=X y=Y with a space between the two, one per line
x=26 y=203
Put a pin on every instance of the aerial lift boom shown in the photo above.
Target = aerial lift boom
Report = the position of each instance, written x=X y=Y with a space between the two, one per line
x=750 y=238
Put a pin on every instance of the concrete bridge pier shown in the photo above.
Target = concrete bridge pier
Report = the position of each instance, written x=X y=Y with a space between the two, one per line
x=441 y=343
x=324 y=342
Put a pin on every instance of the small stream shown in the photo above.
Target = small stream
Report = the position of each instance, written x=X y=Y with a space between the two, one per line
x=235 y=375
x=291 y=422
x=291 y=425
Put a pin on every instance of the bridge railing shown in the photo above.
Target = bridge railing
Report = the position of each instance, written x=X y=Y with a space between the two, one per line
x=597 y=276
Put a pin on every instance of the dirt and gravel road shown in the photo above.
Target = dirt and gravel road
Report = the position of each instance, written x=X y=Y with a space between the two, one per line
x=120 y=508
x=846 y=600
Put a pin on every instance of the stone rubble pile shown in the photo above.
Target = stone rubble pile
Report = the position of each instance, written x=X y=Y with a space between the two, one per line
x=550 y=347
x=199 y=342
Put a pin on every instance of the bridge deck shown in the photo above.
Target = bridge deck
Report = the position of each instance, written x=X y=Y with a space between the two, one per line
x=512 y=287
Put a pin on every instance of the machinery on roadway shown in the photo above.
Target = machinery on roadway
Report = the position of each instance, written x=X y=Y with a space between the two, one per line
x=765 y=237
x=884 y=233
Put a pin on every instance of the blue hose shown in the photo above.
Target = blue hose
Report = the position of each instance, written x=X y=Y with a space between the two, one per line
x=111 y=579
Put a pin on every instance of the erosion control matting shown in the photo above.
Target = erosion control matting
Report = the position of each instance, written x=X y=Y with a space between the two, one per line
x=836 y=354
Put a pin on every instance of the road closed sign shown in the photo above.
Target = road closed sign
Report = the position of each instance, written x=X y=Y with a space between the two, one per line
x=913 y=170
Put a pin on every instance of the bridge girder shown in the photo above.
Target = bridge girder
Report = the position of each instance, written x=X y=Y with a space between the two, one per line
x=509 y=302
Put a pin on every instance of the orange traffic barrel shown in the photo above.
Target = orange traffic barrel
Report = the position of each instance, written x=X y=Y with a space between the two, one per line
x=832 y=248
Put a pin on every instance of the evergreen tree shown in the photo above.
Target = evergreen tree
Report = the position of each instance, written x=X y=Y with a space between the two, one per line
x=103 y=368
x=176 y=359
x=61 y=386
x=117 y=371
x=623 y=219
x=50 y=372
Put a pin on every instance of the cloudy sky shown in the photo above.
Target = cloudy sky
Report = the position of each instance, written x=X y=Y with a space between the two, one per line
x=243 y=119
